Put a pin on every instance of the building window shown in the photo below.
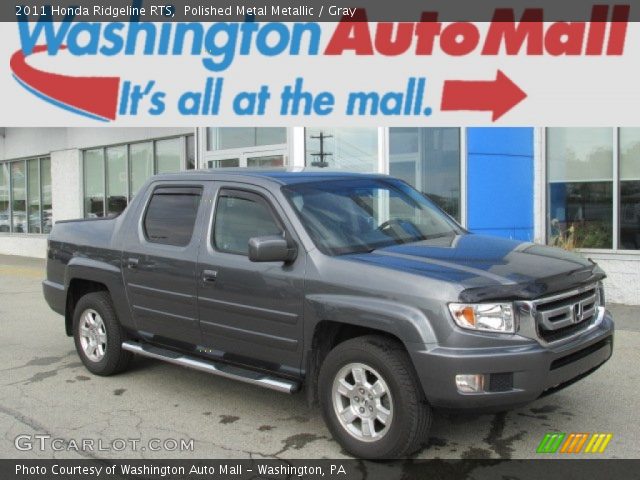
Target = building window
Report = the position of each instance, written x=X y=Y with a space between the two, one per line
x=227 y=138
x=34 y=217
x=140 y=166
x=169 y=155
x=246 y=147
x=45 y=189
x=18 y=197
x=224 y=163
x=580 y=191
x=93 y=169
x=352 y=149
x=114 y=175
x=5 y=198
x=117 y=195
x=429 y=160
x=25 y=196
x=629 y=233
x=191 y=152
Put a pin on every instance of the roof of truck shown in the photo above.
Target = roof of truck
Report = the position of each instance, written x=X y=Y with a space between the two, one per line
x=283 y=176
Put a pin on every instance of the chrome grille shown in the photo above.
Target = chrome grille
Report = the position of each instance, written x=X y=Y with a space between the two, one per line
x=561 y=316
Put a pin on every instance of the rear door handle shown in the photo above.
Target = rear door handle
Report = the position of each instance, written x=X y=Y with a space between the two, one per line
x=132 y=263
x=209 y=276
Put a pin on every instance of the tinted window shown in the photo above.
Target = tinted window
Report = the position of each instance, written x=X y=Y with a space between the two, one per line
x=362 y=215
x=239 y=218
x=171 y=215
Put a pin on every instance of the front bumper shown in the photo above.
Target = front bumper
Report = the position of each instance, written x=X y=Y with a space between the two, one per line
x=522 y=373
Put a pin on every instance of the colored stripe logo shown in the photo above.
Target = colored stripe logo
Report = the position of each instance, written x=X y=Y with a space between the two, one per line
x=556 y=442
x=598 y=443
x=550 y=443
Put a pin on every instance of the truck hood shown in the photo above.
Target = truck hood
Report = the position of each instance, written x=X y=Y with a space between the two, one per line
x=488 y=267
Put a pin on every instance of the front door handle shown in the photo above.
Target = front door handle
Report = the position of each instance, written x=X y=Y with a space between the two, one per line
x=132 y=263
x=209 y=276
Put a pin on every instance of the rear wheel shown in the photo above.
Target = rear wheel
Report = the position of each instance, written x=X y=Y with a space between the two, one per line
x=371 y=399
x=98 y=335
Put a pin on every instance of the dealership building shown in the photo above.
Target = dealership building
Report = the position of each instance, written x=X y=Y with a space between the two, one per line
x=577 y=188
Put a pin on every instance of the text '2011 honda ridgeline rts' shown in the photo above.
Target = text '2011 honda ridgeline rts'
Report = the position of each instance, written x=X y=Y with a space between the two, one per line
x=356 y=287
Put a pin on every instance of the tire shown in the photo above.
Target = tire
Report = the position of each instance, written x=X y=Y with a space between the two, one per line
x=98 y=335
x=409 y=415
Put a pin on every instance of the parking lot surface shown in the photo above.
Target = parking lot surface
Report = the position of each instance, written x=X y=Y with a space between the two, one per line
x=155 y=410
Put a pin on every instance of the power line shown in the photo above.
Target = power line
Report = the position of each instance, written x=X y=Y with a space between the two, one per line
x=321 y=163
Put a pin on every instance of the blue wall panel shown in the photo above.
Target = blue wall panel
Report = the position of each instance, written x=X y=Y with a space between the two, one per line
x=500 y=141
x=500 y=182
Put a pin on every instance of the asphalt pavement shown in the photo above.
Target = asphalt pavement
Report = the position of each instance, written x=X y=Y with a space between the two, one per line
x=52 y=407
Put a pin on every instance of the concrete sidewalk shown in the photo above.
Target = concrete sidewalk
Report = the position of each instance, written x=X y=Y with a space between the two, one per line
x=46 y=390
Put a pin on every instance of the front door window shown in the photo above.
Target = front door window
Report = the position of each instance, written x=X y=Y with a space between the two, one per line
x=239 y=217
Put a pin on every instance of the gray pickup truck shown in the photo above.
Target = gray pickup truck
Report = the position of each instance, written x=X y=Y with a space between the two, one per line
x=357 y=287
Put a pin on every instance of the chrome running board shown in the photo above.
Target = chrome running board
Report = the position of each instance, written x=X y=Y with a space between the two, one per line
x=214 y=368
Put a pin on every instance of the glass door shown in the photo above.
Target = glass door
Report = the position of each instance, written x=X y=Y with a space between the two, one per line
x=223 y=163
x=266 y=161
x=250 y=159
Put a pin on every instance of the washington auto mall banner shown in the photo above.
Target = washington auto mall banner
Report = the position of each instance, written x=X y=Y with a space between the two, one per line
x=316 y=64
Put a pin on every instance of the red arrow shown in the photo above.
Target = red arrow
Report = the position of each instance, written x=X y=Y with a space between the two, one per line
x=498 y=96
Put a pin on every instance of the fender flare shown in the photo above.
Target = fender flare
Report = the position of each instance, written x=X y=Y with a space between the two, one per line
x=407 y=323
x=108 y=274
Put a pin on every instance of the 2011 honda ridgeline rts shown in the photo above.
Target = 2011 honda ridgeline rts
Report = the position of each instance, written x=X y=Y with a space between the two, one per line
x=355 y=287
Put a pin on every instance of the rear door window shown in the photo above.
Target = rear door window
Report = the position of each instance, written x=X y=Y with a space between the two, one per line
x=171 y=215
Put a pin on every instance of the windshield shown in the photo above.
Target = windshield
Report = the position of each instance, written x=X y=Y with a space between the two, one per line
x=362 y=215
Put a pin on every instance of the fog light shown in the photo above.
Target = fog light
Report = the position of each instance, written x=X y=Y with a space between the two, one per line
x=470 y=383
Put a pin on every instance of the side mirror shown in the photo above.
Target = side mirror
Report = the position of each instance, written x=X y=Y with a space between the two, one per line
x=271 y=249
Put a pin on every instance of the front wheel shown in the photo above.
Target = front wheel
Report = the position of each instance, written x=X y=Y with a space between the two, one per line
x=371 y=399
x=98 y=335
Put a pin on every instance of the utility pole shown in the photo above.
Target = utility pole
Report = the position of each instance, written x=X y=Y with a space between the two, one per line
x=321 y=163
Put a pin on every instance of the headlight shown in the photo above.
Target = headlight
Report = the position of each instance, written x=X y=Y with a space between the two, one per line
x=487 y=317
